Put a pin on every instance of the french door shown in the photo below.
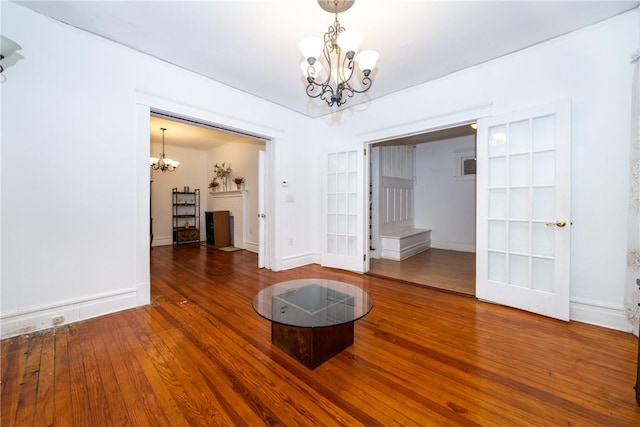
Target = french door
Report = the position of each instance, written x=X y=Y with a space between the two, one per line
x=343 y=209
x=523 y=210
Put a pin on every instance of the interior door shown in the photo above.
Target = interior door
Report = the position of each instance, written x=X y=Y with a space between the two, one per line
x=523 y=210
x=343 y=209
x=262 y=248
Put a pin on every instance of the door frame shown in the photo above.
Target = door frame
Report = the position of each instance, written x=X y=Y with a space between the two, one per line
x=144 y=105
x=442 y=121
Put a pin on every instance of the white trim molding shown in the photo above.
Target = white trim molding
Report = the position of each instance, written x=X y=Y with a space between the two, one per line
x=39 y=318
x=453 y=246
x=300 y=260
x=252 y=246
x=596 y=313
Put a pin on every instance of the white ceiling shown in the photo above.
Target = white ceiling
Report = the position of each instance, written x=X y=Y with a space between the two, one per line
x=191 y=135
x=253 y=45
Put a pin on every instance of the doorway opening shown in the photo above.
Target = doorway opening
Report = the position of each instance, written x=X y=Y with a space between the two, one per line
x=199 y=146
x=425 y=185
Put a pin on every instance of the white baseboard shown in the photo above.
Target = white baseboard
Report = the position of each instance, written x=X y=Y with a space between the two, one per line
x=404 y=253
x=300 y=260
x=599 y=314
x=252 y=247
x=162 y=241
x=26 y=321
x=461 y=247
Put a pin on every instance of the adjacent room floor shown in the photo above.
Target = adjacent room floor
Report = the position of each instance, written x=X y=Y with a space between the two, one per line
x=452 y=271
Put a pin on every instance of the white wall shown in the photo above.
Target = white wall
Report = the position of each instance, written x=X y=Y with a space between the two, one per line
x=590 y=67
x=446 y=204
x=75 y=174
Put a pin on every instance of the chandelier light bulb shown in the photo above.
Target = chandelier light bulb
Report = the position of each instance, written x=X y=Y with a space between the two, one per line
x=349 y=41
x=367 y=60
x=310 y=48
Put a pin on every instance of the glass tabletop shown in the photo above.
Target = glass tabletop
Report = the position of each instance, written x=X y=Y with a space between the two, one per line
x=312 y=303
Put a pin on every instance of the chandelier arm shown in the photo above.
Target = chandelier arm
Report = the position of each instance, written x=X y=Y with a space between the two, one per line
x=366 y=83
x=347 y=91
x=329 y=96
x=344 y=63
x=329 y=47
x=312 y=86
x=339 y=91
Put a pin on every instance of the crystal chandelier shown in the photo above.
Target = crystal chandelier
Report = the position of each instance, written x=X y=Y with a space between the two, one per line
x=163 y=163
x=339 y=50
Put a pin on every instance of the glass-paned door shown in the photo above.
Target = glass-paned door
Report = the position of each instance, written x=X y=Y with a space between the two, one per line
x=344 y=210
x=523 y=210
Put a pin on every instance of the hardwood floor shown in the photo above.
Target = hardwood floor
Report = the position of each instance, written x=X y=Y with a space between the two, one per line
x=452 y=271
x=200 y=356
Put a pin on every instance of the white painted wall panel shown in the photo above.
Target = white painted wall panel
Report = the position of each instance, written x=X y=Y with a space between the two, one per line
x=75 y=174
x=445 y=203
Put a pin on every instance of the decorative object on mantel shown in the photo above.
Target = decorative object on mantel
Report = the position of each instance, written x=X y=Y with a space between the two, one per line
x=222 y=172
x=213 y=185
x=238 y=180
x=338 y=50
x=163 y=164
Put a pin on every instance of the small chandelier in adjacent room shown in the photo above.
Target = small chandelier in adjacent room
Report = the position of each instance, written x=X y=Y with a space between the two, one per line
x=339 y=52
x=163 y=163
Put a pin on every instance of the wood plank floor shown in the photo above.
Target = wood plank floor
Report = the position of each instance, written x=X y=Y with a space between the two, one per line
x=200 y=356
x=452 y=271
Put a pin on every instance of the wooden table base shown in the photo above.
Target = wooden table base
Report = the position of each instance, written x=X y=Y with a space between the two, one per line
x=312 y=346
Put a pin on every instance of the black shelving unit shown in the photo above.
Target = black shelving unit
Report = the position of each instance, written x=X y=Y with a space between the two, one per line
x=186 y=216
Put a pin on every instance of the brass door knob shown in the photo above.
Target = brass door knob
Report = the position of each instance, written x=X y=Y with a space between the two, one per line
x=559 y=223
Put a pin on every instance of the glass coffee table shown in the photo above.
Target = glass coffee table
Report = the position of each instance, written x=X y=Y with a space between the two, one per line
x=312 y=319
